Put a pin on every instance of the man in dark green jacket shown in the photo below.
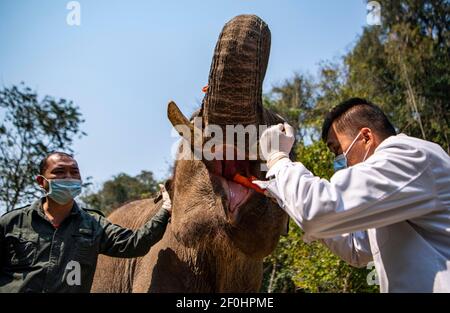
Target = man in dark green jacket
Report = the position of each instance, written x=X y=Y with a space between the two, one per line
x=52 y=245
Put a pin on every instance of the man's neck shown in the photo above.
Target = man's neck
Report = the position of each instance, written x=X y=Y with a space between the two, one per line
x=56 y=212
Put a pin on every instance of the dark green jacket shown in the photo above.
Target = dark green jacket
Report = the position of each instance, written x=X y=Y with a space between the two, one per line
x=36 y=257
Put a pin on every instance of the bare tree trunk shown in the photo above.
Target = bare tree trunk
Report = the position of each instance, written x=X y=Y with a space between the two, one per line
x=272 y=276
x=412 y=98
x=347 y=282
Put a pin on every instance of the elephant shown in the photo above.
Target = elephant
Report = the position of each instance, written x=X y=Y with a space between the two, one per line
x=220 y=231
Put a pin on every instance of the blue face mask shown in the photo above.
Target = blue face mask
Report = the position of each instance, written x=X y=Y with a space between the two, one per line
x=340 y=162
x=63 y=191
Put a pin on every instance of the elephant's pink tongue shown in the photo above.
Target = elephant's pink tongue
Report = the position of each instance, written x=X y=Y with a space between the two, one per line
x=237 y=194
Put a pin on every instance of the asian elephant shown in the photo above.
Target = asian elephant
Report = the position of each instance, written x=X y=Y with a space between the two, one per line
x=220 y=231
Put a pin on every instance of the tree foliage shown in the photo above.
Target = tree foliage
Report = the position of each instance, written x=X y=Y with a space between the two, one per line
x=403 y=66
x=121 y=189
x=294 y=101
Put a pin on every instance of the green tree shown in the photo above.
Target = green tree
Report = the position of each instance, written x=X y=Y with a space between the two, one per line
x=403 y=66
x=29 y=129
x=293 y=99
x=121 y=189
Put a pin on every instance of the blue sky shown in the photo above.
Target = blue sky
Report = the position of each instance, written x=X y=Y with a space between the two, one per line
x=127 y=59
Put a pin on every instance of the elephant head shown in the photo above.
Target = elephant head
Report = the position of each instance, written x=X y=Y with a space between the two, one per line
x=208 y=207
x=220 y=231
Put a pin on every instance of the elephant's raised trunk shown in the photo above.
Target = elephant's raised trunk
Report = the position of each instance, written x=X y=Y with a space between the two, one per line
x=234 y=94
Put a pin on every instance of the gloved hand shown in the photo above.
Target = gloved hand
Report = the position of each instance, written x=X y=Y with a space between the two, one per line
x=276 y=144
x=167 y=204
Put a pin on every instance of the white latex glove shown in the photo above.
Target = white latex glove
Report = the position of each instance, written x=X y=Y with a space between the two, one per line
x=276 y=144
x=167 y=204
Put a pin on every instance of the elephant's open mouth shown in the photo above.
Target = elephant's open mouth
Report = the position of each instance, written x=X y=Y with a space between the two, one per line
x=223 y=172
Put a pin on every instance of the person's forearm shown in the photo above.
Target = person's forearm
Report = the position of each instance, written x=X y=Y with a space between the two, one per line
x=151 y=232
x=294 y=187
x=353 y=248
x=127 y=243
x=358 y=198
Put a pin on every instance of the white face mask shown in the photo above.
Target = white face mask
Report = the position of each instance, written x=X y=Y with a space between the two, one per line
x=340 y=162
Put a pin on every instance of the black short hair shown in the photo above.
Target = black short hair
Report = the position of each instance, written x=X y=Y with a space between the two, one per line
x=355 y=113
x=43 y=164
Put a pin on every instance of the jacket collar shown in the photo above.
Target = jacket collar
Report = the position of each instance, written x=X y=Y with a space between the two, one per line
x=388 y=140
x=37 y=206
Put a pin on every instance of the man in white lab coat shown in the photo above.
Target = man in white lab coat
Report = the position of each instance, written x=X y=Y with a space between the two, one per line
x=389 y=200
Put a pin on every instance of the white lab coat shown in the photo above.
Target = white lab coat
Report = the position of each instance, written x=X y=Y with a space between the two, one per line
x=393 y=208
